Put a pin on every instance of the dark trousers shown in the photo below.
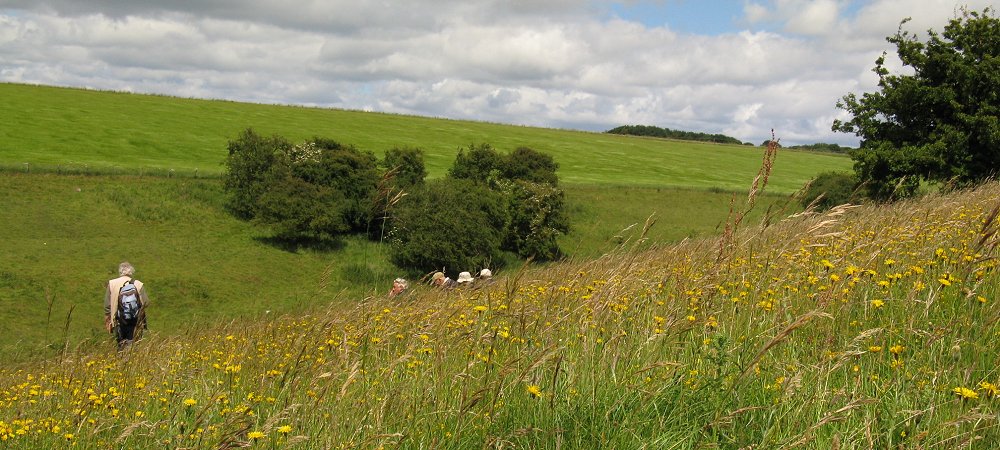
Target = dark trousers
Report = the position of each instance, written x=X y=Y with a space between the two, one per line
x=125 y=332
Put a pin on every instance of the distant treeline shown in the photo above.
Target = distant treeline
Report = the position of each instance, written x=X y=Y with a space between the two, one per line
x=821 y=147
x=649 y=130
x=654 y=131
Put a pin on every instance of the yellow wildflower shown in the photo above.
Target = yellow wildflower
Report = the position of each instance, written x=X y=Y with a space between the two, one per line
x=990 y=389
x=965 y=393
x=253 y=435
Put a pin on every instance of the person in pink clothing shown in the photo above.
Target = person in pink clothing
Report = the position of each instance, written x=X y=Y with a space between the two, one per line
x=125 y=303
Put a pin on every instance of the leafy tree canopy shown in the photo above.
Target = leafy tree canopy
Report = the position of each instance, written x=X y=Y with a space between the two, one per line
x=476 y=163
x=530 y=165
x=940 y=124
x=315 y=190
x=406 y=165
x=450 y=224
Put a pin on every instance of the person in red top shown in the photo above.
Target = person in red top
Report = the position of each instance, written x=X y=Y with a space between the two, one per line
x=119 y=318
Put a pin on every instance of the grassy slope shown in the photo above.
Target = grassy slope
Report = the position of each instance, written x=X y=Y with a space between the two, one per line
x=871 y=327
x=65 y=234
x=58 y=126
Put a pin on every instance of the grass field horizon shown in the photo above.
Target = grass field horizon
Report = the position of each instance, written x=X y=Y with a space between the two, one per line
x=50 y=128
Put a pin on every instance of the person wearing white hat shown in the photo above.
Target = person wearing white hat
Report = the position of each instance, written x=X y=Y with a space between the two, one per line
x=485 y=278
x=464 y=277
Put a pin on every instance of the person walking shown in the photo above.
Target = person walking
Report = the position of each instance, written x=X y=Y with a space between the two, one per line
x=125 y=303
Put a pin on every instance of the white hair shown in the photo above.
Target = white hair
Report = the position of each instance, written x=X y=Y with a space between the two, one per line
x=125 y=269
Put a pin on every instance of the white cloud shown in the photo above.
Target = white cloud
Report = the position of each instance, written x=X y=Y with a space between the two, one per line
x=560 y=63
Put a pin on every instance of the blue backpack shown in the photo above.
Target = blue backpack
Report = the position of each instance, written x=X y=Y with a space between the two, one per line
x=128 y=302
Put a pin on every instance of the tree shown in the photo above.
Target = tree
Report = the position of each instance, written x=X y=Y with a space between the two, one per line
x=451 y=223
x=537 y=219
x=247 y=165
x=939 y=124
x=477 y=164
x=352 y=172
x=529 y=165
x=406 y=165
x=315 y=190
x=295 y=209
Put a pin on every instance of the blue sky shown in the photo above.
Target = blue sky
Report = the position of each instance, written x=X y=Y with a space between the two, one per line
x=696 y=17
x=739 y=68
x=708 y=17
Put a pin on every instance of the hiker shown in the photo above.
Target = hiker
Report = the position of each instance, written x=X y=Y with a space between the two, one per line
x=485 y=278
x=125 y=302
x=465 y=277
x=441 y=281
x=398 y=286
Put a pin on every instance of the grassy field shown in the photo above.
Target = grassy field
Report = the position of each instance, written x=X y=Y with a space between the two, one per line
x=65 y=234
x=48 y=127
x=861 y=327
x=867 y=327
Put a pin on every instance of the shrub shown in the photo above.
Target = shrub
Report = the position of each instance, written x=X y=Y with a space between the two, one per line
x=836 y=188
x=296 y=209
x=530 y=165
x=537 y=219
x=478 y=164
x=315 y=190
x=247 y=164
x=352 y=172
x=449 y=223
x=406 y=165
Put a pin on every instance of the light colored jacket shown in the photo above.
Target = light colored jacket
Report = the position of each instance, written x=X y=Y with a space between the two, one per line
x=111 y=301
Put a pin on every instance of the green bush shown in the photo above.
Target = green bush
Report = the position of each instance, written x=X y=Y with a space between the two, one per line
x=352 y=172
x=830 y=189
x=247 y=165
x=529 y=165
x=295 y=209
x=406 y=165
x=537 y=219
x=479 y=163
x=319 y=189
x=449 y=224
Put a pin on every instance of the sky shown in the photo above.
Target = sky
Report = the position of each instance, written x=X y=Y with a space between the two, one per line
x=735 y=67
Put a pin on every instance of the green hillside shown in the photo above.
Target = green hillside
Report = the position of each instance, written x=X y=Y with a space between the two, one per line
x=866 y=327
x=76 y=128
x=63 y=235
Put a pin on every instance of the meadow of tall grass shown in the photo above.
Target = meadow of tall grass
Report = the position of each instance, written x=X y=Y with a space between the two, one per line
x=860 y=327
